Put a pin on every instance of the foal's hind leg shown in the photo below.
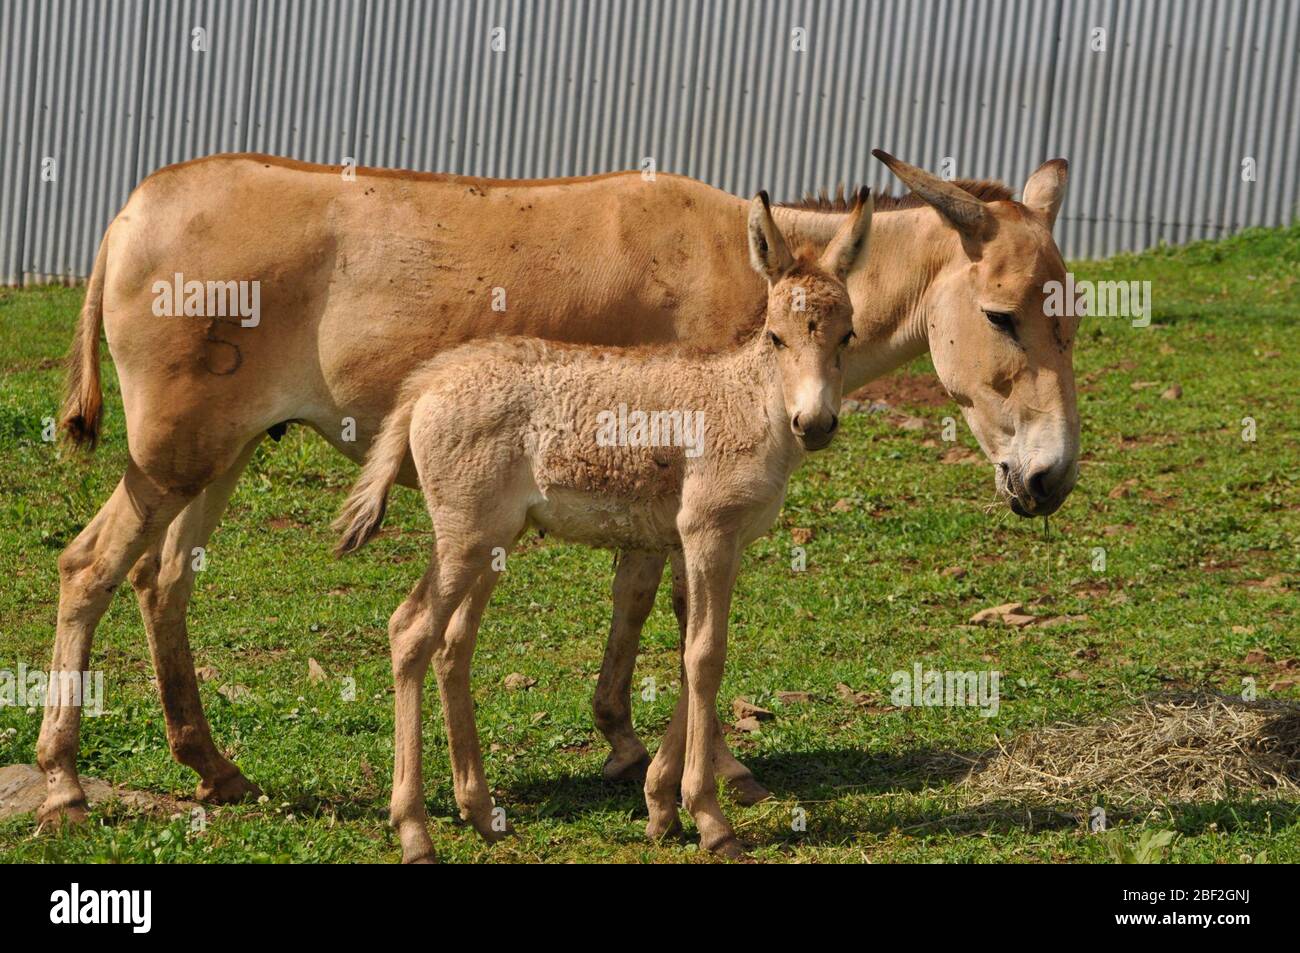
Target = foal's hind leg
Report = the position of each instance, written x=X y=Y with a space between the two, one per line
x=451 y=663
x=416 y=630
x=411 y=644
x=740 y=780
x=164 y=581
x=90 y=569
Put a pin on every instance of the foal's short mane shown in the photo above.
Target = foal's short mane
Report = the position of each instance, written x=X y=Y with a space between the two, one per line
x=988 y=190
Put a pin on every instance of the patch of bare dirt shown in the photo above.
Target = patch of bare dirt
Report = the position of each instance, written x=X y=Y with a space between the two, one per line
x=902 y=389
x=22 y=788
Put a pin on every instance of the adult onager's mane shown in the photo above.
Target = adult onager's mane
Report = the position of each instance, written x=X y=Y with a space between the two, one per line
x=987 y=190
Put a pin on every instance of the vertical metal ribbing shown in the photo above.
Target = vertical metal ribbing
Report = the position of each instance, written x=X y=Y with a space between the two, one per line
x=1156 y=128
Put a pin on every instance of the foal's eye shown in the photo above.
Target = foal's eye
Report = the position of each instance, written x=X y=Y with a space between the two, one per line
x=844 y=342
x=776 y=341
x=1002 y=321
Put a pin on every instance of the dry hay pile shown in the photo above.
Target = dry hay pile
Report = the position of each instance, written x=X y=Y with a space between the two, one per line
x=1172 y=749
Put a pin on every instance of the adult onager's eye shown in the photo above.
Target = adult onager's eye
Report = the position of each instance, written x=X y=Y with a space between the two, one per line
x=847 y=338
x=1002 y=320
x=776 y=341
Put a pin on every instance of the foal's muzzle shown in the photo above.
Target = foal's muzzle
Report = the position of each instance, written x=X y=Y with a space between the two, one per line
x=815 y=432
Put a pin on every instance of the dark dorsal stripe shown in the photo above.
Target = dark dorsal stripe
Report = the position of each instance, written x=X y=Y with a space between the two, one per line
x=987 y=190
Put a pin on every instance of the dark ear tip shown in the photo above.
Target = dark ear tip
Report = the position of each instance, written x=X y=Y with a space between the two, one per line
x=763 y=197
x=882 y=155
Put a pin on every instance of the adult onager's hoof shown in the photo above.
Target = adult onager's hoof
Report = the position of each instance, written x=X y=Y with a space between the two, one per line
x=626 y=767
x=746 y=791
x=428 y=857
x=231 y=789
x=728 y=848
x=61 y=813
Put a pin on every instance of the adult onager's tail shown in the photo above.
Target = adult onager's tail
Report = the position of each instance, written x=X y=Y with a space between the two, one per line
x=364 y=510
x=83 y=405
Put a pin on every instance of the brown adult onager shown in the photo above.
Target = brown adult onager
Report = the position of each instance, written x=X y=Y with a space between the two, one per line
x=507 y=433
x=363 y=279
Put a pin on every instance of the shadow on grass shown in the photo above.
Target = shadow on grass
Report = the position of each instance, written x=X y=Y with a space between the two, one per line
x=936 y=805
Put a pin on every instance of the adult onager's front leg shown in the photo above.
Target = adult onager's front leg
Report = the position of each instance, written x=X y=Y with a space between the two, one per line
x=711 y=563
x=636 y=580
x=164 y=581
x=90 y=570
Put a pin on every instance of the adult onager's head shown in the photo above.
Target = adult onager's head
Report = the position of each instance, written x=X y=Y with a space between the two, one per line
x=1006 y=362
x=809 y=315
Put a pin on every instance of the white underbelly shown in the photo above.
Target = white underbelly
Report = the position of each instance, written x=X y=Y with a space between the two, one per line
x=598 y=520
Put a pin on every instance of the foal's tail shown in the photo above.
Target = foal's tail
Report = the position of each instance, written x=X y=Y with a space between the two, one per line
x=361 y=515
x=83 y=406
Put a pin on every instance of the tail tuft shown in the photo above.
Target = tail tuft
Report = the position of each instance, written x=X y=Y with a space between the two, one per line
x=362 y=514
x=83 y=407
x=82 y=431
x=359 y=521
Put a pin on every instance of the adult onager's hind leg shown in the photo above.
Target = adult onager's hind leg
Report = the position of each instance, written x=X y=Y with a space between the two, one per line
x=90 y=570
x=164 y=579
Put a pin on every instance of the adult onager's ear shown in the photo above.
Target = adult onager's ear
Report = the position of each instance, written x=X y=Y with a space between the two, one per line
x=767 y=249
x=966 y=213
x=1045 y=189
x=852 y=239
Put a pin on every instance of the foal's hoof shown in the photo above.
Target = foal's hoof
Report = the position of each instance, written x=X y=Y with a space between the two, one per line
x=59 y=815
x=490 y=828
x=626 y=768
x=729 y=848
x=231 y=789
x=663 y=826
x=746 y=791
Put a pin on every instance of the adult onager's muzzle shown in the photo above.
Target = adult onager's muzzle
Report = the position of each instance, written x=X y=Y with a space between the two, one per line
x=1038 y=488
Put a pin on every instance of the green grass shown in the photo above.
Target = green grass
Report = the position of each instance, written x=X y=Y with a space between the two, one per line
x=1205 y=516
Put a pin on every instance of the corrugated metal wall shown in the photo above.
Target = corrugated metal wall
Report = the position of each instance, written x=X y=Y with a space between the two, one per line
x=1156 y=126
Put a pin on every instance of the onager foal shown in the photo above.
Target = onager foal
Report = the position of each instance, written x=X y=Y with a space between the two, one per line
x=516 y=432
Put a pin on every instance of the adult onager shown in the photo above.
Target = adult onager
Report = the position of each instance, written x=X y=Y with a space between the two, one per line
x=508 y=433
x=362 y=280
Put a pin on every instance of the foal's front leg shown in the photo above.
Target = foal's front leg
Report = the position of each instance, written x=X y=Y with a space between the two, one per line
x=636 y=580
x=740 y=780
x=711 y=562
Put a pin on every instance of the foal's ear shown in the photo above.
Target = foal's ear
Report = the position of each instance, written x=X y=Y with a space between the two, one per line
x=768 y=252
x=851 y=241
x=1045 y=190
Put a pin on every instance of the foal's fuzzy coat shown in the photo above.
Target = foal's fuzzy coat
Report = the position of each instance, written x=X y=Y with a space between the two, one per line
x=508 y=433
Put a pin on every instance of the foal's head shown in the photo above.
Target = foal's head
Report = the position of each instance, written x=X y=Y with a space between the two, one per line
x=809 y=316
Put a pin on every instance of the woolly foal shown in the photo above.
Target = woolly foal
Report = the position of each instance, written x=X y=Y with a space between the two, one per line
x=514 y=432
